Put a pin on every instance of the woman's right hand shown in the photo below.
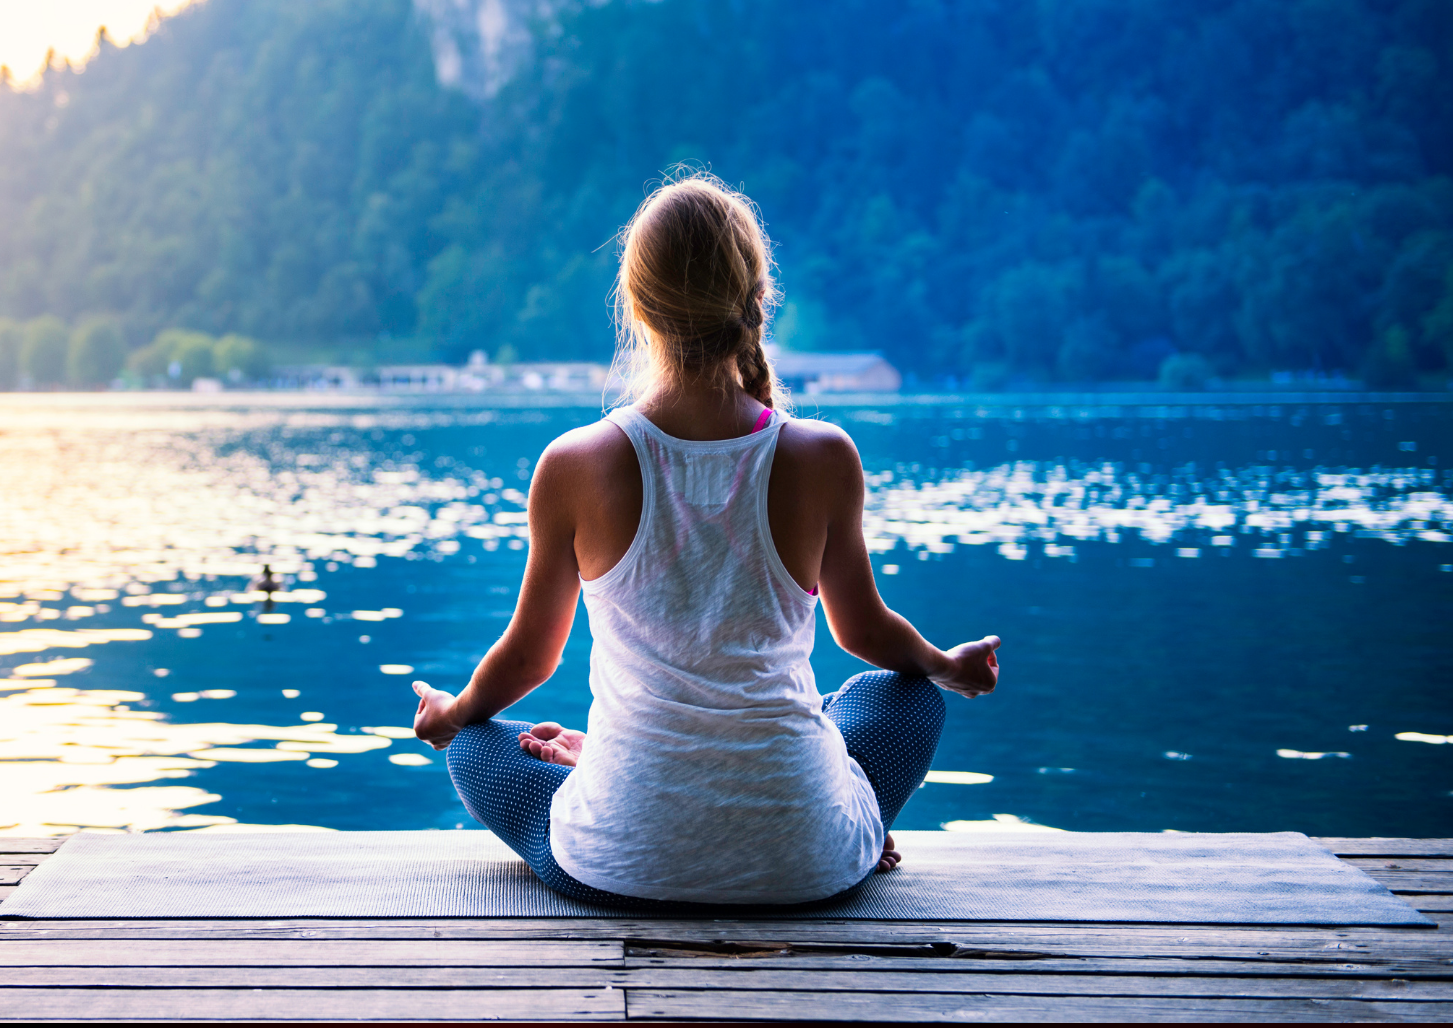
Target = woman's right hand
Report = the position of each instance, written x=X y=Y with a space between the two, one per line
x=435 y=721
x=975 y=669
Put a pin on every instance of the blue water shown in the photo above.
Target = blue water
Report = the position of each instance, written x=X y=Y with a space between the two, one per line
x=1156 y=660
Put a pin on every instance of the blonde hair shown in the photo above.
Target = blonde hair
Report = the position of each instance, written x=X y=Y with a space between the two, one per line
x=695 y=289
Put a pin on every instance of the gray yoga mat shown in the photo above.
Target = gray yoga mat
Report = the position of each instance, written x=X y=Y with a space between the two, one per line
x=1283 y=878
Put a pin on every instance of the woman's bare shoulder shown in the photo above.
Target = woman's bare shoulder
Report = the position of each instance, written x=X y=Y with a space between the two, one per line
x=589 y=442
x=820 y=444
x=591 y=456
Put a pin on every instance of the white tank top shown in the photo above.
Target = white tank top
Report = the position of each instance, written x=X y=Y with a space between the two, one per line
x=709 y=772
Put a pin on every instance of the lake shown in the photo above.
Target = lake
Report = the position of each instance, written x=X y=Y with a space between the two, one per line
x=1216 y=616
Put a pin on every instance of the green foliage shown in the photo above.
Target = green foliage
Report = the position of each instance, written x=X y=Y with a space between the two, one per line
x=43 y=351
x=239 y=359
x=1026 y=313
x=1185 y=372
x=151 y=362
x=177 y=357
x=1066 y=189
x=1389 y=364
x=12 y=337
x=97 y=352
x=193 y=355
x=1089 y=350
x=1437 y=326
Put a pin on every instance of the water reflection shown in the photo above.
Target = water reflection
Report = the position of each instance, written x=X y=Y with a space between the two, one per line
x=1276 y=512
x=164 y=526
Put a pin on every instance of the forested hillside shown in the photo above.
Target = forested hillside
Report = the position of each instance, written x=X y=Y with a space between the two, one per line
x=1061 y=190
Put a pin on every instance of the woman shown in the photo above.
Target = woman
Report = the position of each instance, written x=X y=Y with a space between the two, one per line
x=701 y=524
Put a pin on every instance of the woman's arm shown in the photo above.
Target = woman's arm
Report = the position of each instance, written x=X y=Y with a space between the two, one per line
x=529 y=650
x=860 y=621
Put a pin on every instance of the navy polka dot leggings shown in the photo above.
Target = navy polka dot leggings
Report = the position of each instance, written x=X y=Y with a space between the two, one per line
x=891 y=723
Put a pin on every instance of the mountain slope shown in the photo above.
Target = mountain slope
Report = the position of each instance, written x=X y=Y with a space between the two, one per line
x=1074 y=189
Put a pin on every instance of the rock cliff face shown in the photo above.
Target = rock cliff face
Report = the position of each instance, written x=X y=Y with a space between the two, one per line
x=479 y=45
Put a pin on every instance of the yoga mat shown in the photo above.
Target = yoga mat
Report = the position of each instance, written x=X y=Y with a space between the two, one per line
x=1282 y=878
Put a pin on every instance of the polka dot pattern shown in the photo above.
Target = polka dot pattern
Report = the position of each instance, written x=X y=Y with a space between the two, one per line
x=891 y=723
x=509 y=791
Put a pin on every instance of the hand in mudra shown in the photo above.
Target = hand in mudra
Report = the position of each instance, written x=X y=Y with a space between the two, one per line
x=553 y=744
x=976 y=669
x=435 y=721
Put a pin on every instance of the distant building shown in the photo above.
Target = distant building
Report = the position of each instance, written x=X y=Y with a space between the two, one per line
x=319 y=377
x=477 y=376
x=556 y=376
x=810 y=373
x=418 y=378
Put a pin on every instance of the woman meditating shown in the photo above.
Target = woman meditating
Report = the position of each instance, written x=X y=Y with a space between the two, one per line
x=702 y=524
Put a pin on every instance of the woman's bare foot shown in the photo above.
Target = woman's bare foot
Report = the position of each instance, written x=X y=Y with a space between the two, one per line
x=553 y=744
x=891 y=858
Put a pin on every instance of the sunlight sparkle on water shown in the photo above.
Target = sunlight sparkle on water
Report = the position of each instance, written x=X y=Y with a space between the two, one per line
x=158 y=519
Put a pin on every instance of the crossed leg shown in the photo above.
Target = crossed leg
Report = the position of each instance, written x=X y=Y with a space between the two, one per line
x=891 y=723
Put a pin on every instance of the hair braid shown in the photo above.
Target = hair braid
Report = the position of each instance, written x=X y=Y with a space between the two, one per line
x=751 y=358
x=695 y=289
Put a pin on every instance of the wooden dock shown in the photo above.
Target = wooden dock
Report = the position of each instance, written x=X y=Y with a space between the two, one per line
x=604 y=970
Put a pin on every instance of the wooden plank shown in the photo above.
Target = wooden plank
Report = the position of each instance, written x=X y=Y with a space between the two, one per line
x=1400 y=878
x=1067 y=940
x=1387 y=847
x=692 y=976
x=23 y=858
x=1410 y=969
x=6 y=890
x=690 y=1005
x=542 y=977
x=773 y=980
x=1009 y=941
x=313 y=1004
x=1019 y=942
x=1372 y=865
x=1411 y=884
x=292 y=953
x=10 y=874
x=581 y=927
x=1038 y=985
x=1342 y=846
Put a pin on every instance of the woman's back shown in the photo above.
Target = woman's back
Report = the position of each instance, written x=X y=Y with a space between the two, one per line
x=707 y=723
x=709 y=771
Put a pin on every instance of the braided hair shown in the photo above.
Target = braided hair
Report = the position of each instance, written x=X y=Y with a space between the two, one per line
x=696 y=276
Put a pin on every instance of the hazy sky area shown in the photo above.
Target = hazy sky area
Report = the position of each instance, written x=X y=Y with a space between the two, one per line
x=28 y=29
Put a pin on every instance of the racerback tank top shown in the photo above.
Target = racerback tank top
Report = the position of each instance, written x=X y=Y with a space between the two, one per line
x=709 y=772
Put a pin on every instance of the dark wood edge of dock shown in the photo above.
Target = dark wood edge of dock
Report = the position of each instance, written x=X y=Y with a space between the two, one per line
x=408 y=969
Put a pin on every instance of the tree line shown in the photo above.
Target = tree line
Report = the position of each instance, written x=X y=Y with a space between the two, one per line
x=1069 y=190
x=44 y=353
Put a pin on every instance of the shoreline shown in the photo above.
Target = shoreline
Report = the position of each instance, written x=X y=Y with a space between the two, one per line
x=1098 y=401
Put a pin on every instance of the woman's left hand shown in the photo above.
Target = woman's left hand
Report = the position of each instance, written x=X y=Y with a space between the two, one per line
x=435 y=721
x=553 y=743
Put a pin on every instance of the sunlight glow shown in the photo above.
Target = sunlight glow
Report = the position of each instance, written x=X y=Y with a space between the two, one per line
x=29 y=30
x=84 y=759
x=154 y=517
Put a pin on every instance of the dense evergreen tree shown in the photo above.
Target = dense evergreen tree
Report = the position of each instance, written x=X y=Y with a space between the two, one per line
x=1068 y=189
